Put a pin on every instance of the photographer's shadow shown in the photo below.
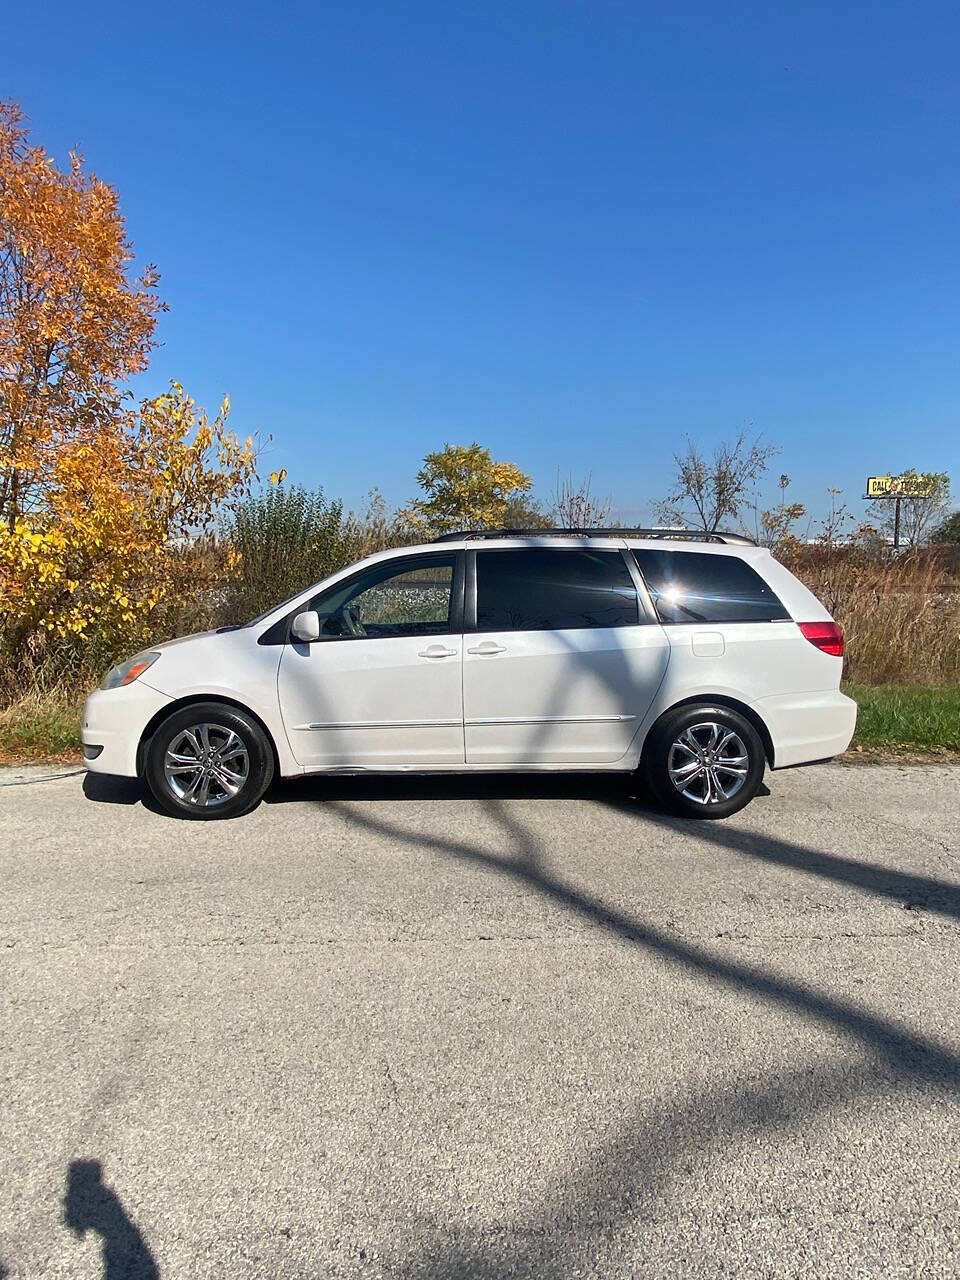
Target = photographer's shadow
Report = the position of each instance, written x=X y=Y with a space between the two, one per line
x=90 y=1205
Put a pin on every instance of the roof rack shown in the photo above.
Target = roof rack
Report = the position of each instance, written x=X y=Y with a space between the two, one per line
x=674 y=535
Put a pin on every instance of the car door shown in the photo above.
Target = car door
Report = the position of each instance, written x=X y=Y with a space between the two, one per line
x=561 y=661
x=381 y=688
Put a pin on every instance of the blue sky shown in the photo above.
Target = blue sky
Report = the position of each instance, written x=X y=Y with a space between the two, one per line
x=571 y=231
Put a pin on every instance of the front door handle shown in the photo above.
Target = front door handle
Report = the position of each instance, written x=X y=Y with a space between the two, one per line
x=438 y=651
x=488 y=646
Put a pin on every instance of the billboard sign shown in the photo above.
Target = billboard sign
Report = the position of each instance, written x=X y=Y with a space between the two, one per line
x=899 y=487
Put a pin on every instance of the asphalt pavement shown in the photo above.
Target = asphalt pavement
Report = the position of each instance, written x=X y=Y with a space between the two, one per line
x=481 y=1028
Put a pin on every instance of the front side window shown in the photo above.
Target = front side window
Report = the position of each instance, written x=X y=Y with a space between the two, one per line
x=406 y=598
x=687 y=586
x=546 y=590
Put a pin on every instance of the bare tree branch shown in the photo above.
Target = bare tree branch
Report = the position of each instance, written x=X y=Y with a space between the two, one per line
x=575 y=507
x=709 y=491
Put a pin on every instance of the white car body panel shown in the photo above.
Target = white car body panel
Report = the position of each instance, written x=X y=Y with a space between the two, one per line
x=555 y=697
x=545 y=700
x=374 y=703
x=808 y=726
x=114 y=719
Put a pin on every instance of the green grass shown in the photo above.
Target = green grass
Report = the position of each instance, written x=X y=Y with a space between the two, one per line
x=40 y=727
x=913 y=716
x=892 y=718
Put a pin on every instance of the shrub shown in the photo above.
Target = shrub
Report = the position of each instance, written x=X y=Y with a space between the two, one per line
x=283 y=539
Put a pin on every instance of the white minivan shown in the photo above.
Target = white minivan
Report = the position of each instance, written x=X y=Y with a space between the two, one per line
x=696 y=660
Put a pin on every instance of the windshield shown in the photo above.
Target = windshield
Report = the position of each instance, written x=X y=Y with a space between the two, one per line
x=262 y=617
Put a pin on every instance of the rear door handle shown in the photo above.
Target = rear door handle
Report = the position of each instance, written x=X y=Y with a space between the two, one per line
x=438 y=651
x=488 y=646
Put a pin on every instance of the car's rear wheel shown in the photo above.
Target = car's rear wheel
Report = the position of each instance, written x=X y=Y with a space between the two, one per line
x=704 y=761
x=209 y=760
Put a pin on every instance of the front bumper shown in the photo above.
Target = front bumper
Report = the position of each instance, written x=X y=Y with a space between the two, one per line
x=114 y=720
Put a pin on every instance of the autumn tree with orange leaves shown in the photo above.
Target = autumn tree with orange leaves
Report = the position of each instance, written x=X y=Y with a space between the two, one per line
x=100 y=502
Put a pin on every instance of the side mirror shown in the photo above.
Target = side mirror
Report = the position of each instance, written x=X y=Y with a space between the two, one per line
x=306 y=626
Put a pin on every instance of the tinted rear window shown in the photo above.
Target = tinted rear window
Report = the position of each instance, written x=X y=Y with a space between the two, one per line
x=687 y=586
x=539 y=590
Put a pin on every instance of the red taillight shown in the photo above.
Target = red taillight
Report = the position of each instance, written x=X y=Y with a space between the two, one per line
x=826 y=636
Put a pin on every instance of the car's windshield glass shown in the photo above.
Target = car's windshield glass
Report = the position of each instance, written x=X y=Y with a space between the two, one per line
x=262 y=617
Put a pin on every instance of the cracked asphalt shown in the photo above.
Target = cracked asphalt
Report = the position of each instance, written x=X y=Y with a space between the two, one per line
x=482 y=1028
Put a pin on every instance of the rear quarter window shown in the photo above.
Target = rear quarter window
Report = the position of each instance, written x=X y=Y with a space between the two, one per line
x=687 y=586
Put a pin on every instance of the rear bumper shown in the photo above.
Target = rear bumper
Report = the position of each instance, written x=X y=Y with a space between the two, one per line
x=808 y=726
x=114 y=720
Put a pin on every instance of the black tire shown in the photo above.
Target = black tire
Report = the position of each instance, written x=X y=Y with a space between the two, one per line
x=232 y=751
x=709 y=773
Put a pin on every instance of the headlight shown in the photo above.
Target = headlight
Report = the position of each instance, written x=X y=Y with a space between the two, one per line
x=127 y=672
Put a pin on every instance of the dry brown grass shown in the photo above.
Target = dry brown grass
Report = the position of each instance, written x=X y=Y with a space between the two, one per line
x=901 y=616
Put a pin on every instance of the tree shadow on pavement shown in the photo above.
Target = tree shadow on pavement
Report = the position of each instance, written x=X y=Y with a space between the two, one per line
x=90 y=1205
x=618 y=1184
x=913 y=1052
x=660 y=1144
x=908 y=889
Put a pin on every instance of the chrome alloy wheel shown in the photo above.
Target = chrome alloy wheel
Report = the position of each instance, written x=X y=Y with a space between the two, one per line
x=206 y=765
x=708 y=763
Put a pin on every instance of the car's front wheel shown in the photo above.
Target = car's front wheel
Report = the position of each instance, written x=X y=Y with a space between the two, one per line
x=209 y=760
x=704 y=761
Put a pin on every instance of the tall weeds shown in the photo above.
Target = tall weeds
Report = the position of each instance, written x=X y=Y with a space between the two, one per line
x=901 y=616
